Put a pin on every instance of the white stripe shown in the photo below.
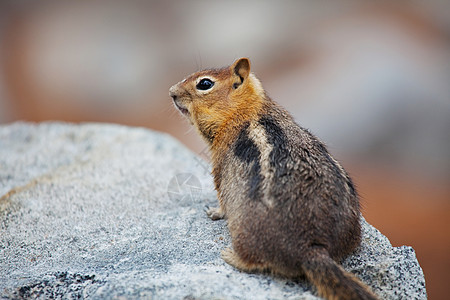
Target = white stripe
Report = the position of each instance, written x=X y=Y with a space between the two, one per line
x=257 y=134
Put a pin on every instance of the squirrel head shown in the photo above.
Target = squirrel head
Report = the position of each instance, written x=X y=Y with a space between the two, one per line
x=214 y=98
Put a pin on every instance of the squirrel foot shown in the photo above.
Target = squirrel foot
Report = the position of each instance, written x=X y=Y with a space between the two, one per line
x=231 y=258
x=214 y=213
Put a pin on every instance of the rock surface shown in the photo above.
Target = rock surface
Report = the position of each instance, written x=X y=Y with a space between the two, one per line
x=107 y=211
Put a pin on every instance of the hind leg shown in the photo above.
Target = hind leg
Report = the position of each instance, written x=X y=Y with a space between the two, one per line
x=230 y=257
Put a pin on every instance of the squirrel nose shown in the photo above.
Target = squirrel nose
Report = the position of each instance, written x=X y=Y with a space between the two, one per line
x=172 y=93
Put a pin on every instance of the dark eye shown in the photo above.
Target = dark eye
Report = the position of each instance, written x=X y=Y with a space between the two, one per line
x=205 y=84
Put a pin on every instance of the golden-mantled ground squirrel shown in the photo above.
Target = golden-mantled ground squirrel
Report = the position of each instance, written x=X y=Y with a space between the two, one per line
x=291 y=207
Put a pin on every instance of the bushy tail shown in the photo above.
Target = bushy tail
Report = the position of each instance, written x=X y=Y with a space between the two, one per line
x=331 y=280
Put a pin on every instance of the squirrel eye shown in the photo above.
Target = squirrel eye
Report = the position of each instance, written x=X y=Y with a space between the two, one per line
x=205 y=84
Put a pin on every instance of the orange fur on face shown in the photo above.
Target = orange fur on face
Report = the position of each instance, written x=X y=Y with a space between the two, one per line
x=236 y=97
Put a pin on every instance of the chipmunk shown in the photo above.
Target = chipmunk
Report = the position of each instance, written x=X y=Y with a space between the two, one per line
x=291 y=208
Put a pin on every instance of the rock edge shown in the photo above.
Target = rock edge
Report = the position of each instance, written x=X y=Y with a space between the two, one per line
x=107 y=211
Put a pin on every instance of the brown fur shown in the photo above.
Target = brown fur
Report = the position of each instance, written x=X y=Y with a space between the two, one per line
x=291 y=208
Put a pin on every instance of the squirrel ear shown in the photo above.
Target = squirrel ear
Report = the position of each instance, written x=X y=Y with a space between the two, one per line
x=241 y=68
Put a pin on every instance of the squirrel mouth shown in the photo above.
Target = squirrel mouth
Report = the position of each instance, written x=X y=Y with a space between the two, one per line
x=182 y=109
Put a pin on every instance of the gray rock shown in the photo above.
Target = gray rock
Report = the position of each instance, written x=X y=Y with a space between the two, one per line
x=107 y=211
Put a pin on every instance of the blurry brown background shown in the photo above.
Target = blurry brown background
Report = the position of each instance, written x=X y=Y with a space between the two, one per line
x=370 y=78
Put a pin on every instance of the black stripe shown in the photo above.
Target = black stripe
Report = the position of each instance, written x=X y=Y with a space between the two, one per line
x=247 y=151
x=277 y=138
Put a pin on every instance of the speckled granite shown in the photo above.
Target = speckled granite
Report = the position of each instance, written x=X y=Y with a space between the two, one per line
x=104 y=211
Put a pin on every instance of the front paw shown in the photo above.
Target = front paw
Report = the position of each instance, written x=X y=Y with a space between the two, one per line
x=214 y=213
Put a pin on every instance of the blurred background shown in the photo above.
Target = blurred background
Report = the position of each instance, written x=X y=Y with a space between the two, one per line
x=370 y=78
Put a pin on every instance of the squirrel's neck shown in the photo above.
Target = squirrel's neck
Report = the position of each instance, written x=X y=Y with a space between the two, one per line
x=238 y=118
